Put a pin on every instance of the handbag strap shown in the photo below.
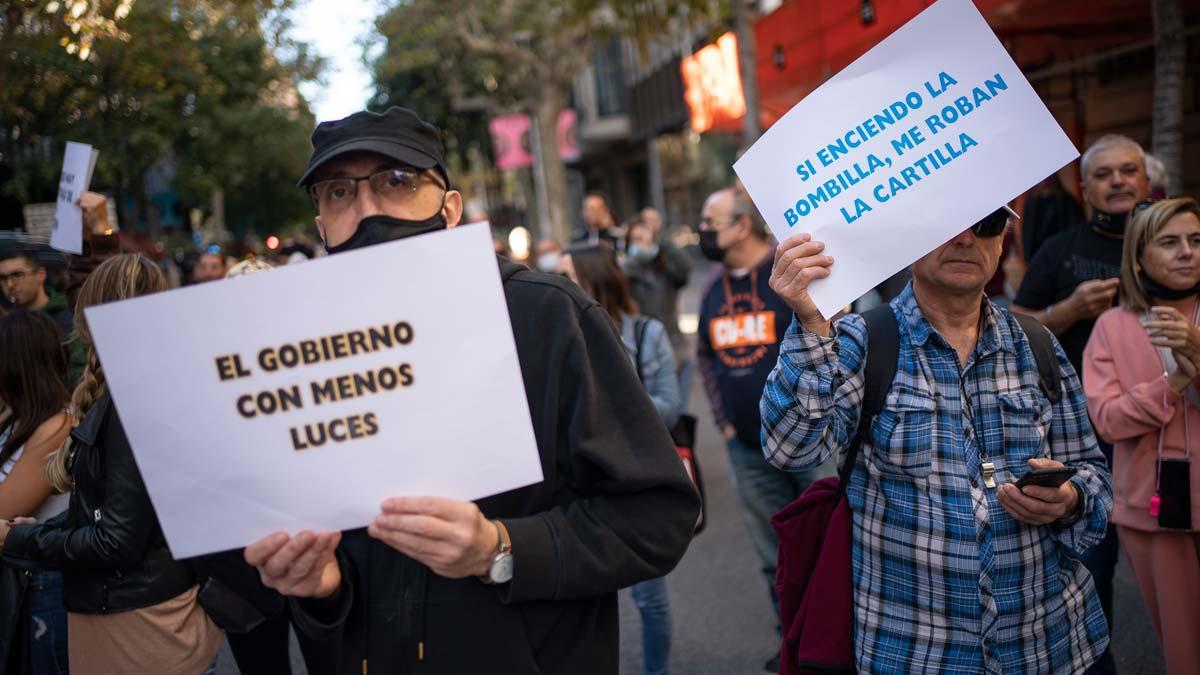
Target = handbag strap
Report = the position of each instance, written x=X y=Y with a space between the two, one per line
x=640 y=326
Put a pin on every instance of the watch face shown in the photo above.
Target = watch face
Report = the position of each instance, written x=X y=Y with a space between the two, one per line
x=502 y=569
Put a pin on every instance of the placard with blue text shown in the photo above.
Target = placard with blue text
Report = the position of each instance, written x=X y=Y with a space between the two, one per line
x=903 y=149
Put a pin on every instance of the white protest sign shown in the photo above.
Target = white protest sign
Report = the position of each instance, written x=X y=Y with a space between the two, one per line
x=79 y=161
x=919 y=138
x=304 y=396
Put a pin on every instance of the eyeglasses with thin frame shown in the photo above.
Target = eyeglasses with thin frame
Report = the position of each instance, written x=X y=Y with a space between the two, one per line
x=397 y=185
x=709 y=223
x=15 y=276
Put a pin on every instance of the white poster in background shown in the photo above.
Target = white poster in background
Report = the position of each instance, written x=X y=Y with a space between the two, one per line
x=79 y=161
x=302 y=397
x=919 y=138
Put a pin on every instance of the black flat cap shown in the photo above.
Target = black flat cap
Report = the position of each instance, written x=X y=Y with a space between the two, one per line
x=396 y=133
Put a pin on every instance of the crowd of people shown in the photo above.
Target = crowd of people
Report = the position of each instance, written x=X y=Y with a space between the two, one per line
x=957 y=564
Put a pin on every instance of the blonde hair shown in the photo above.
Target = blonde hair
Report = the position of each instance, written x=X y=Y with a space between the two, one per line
x=118 y=278
x=1146 y=224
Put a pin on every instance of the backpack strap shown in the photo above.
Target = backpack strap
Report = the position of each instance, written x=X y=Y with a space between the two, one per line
x=883 y=353
x=640 y=325
x=1049 y=374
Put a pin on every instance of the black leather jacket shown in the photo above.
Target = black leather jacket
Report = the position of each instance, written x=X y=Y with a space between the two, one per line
x=109 y=545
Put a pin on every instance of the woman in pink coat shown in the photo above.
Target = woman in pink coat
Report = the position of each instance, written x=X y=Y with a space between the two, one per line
x=1140 y=376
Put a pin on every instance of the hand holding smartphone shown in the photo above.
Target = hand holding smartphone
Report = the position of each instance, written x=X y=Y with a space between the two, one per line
x=1052 y=477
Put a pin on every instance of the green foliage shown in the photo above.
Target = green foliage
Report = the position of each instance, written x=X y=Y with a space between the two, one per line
x=199 y=84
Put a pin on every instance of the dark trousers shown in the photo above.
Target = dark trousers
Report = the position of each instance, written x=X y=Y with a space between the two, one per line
x=264 y=649
x=1101 y=561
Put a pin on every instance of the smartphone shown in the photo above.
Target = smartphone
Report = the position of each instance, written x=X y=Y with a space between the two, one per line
x=1051 y=478
x=1174 y=484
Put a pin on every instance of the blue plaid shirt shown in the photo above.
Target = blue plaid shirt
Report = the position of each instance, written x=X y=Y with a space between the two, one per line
x=945 y=580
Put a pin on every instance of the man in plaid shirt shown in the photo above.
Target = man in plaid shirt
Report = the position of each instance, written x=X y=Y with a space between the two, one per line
x=956 y=570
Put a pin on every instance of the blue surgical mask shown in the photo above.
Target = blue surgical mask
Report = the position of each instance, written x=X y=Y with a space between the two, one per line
x=643 y=253
x=549 y=262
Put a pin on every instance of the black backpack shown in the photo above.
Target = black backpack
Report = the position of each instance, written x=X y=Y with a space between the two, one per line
x=883 y=356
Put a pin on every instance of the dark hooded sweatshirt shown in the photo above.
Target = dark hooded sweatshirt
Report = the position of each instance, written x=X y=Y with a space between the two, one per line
x=615 y=508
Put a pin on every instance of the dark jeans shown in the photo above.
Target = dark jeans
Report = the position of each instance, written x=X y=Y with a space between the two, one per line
x=48 y=627
x=763 y=490
x=1101 y=561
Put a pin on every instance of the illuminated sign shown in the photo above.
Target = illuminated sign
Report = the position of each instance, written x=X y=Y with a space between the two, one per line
x=713 y=86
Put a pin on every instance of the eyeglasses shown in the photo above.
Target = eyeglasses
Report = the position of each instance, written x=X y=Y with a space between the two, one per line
x=709 y=223
x=15 y=276
x=395 y=185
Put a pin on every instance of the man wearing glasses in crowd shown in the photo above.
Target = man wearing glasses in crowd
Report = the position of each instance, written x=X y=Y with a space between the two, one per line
x=23 y=280
x=741 y=321
x=956 y=569
x=523 y=581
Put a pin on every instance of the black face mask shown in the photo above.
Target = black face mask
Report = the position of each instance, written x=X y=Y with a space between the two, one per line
x=382 y=229
x=709 y=246
x=1110 y=223
x=1160 y=292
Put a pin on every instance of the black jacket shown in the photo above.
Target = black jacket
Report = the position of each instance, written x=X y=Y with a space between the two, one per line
x=109 y=545
x=615 y=508
x=15 y=640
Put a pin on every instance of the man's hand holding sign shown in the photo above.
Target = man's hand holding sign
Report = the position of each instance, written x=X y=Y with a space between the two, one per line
x=301 y=566
x=451 y=537
x=799 y=261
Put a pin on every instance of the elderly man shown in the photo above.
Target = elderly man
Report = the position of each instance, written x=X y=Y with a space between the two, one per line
x=956 y=569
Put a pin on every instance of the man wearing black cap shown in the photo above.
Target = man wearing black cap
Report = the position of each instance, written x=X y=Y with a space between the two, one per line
x=525 y=581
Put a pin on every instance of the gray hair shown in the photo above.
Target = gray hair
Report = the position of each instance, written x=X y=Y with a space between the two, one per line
x=1107 y=142
x=1156 y=171
x=742 y=206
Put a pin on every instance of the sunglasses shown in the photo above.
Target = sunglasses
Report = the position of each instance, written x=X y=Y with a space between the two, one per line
x=994 y=223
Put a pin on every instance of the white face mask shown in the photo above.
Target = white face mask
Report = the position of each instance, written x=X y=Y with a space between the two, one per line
x=549 y=262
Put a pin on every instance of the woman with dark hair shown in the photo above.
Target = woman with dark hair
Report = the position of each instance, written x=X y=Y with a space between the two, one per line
x=132 y=608
x=34 y=422
x=595 y=269
x=1141 y=374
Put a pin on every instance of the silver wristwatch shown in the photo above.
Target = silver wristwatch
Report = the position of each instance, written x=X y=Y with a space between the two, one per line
x=501 y=570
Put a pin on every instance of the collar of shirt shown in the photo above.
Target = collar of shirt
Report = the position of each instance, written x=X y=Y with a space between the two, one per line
x=993 y=337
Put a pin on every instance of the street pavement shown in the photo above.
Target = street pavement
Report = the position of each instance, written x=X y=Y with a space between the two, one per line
x=723 y=623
